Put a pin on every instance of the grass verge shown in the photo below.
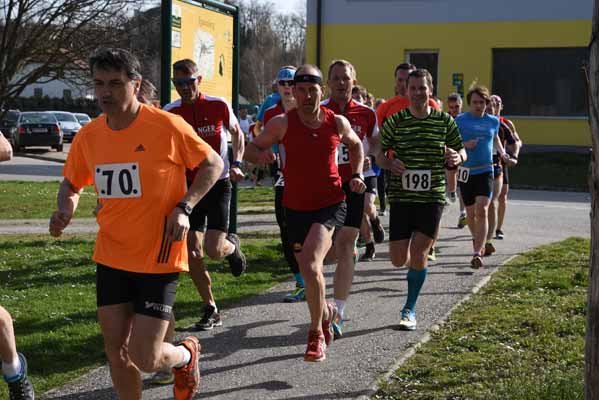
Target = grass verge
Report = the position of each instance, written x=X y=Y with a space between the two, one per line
x=21 y=200
x=521 y=337
x=48 y=286
x=551 y=171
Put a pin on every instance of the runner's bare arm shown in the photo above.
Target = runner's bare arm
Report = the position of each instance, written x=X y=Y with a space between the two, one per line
x=259 y=150
x=356 y=152
x=500 y=148
x=389 y=163
x=67 y=200
x=177 y=224
x=238 y=145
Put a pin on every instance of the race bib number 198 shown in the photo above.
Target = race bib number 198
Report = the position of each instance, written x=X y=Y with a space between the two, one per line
x=118 y=181
x=416 y=180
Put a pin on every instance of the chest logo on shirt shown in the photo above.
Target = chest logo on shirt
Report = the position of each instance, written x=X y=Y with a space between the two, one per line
x=206 y=130
x=140 y=147
x=314 y=135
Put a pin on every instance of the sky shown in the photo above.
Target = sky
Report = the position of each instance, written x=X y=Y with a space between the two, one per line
x=287 y=6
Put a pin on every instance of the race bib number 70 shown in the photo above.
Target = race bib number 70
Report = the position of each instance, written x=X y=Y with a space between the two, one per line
x=118 y=181
x=416 y=180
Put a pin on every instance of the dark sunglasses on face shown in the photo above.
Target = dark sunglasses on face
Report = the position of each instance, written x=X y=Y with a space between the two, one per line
x=184 y=81
x=286 y=83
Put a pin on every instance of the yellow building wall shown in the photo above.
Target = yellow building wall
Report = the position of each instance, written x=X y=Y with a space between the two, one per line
x=375 y=51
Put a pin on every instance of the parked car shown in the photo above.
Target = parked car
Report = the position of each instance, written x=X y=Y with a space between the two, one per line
x=38 y=128
x=83 y=119
x=68 y=123
x=8 y=124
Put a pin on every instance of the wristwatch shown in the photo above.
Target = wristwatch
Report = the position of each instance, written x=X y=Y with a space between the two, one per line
x=461 y=158
x=236 y=164
x=187 y=209
x=359 y=176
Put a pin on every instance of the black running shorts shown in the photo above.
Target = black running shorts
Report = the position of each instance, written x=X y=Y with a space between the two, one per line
x=477 y=185
x=214 y=207
x=300 y=222
x=355 y=207
x=371 y=184
x=407 y=218
x=152 y=295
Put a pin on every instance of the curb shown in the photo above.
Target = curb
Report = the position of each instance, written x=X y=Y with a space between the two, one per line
x=40 y=157
x=374 y=386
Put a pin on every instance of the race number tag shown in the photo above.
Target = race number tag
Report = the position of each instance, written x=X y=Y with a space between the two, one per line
x=342 y=154
x=118 y=181
x=416 y=180
x=463 y=174
x=280 y=180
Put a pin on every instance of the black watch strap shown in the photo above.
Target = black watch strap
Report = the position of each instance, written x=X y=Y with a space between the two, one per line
x=236 y=164
x=359 y=176
x=187 y=209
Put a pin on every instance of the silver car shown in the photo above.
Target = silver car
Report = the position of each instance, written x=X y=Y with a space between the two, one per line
x=68 y=123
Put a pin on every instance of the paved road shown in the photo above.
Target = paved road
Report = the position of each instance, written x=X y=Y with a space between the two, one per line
x=258 y=352
x=30 y=169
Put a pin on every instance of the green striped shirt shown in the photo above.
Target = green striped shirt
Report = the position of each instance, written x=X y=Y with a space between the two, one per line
x=420 y=144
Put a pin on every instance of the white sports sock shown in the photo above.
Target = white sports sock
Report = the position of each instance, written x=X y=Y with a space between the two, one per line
x=340 y=306
x=232 y=247
x=186 y=356
x=11 y=369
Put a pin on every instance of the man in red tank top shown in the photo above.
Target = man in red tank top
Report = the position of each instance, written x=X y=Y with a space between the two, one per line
x=313 y=198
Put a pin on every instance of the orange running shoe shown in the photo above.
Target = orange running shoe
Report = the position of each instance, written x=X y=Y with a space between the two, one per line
x=187 y=378
x=327 y=326
x=316 y=347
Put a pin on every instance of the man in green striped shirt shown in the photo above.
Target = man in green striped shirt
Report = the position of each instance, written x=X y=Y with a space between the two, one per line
x=418 y=141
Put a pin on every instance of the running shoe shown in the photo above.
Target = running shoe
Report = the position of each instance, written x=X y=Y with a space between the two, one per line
x=477 y=262
x=489 y=249
x=408 y=320
x=236 y=260
x=382 y=213
x=337 y=326
x=21 y=387
x=377 y=230
x=316 y=347
x=432 y=255
x=327 y=323
x=369 y=254
x=297 y=295
x=162 y=378
x=499 y=234
x=451 y=197
x=209 y=320
x=187 y=378
x=462 y=221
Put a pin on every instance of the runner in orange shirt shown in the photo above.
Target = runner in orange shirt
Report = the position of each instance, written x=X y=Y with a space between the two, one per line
x=400 y=101
x=135 y=156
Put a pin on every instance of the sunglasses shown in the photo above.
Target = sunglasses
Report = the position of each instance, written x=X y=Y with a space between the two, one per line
x=286 y=83
x=184 y=81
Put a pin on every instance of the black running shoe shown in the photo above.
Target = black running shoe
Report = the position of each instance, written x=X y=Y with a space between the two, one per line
x=210 y=319
x=499 y=234
x=369 y=254
x=236 y=259
x=377 y=230
x=21 y=389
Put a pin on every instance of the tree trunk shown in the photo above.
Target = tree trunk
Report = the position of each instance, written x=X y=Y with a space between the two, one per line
x=592 y=328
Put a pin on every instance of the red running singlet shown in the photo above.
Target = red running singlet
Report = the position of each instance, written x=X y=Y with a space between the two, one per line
x=312 y=180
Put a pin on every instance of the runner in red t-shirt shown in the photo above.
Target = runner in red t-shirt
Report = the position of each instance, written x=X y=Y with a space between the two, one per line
x=211 y=117
x=313 y=197
x=341 y=81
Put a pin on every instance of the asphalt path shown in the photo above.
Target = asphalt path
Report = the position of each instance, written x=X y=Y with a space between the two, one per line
x=258 y=352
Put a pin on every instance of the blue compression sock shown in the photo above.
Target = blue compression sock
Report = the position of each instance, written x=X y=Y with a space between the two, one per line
x=415 y=281
x=299 y=279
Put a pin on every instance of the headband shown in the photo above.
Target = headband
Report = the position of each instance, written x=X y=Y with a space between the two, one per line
x=307 y=78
